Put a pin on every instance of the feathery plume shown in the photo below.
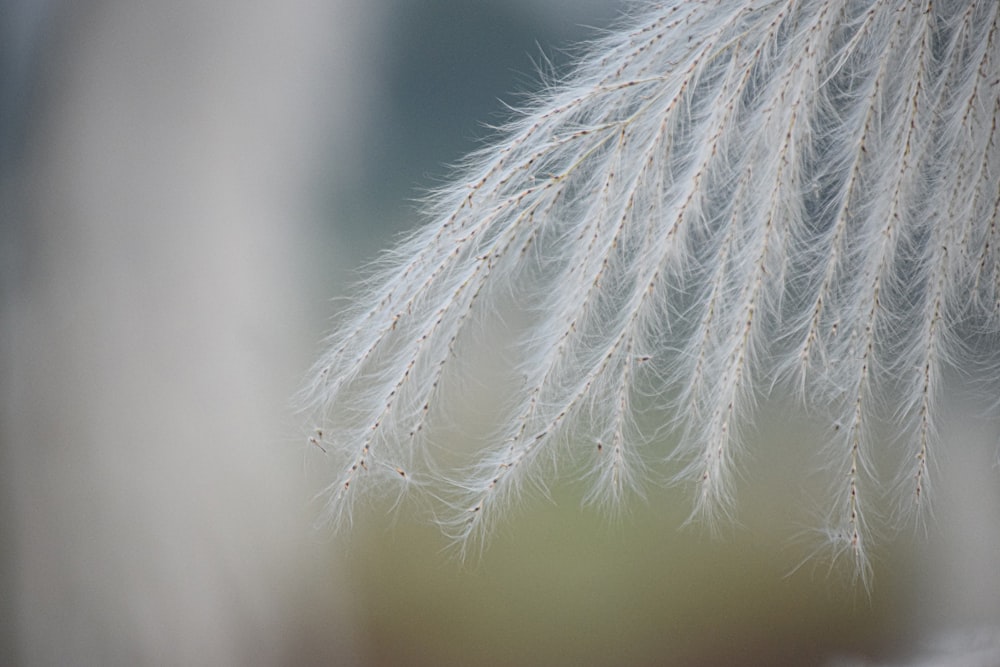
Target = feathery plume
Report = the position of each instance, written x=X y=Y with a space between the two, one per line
x=723 y=198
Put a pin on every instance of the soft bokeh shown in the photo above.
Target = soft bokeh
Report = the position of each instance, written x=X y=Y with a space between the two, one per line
x=159 y=194
x=184 y=188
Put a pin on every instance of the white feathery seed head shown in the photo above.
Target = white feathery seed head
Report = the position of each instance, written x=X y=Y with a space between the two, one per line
x=723 y=199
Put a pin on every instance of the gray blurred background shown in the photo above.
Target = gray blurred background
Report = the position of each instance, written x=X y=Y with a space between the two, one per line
x=185 y=187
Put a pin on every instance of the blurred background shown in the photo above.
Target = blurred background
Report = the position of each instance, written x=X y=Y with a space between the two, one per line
x=185 y=189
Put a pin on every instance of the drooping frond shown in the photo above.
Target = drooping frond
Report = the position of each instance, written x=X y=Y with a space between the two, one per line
x=726 y=196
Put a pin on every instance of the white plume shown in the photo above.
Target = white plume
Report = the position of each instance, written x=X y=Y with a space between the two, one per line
x=725 y=197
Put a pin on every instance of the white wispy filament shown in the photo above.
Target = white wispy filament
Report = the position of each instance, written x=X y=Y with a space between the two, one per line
x=727 y=196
